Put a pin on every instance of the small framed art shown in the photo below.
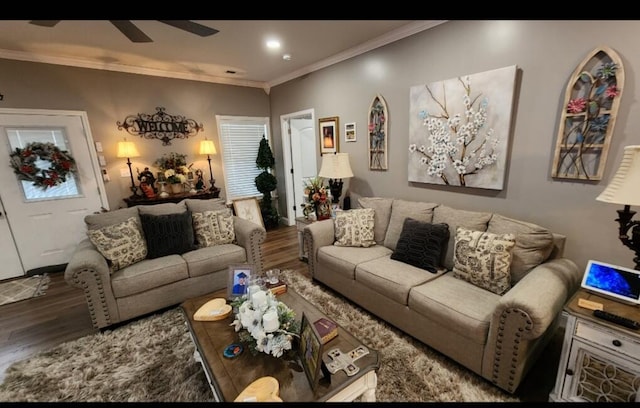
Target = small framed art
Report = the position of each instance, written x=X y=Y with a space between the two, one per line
x=311 y=349
x=329 y=135
x=350 y=132
x=248 y=209
x=239 y=277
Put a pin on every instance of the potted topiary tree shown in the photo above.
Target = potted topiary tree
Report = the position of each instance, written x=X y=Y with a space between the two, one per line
x=266 y=183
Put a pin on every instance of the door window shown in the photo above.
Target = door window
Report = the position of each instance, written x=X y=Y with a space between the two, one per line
x=20 y=138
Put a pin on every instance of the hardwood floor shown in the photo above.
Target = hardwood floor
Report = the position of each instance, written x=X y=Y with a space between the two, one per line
x=38 y=324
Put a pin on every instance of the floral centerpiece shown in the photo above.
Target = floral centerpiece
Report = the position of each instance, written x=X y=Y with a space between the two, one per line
x=264 y=323
x=317 y=195
x=174 y=167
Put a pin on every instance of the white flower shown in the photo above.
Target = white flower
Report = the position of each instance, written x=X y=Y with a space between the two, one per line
x=169 y=172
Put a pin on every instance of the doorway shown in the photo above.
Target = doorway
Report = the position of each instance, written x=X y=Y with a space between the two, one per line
x=300 y=161
x=46 y=224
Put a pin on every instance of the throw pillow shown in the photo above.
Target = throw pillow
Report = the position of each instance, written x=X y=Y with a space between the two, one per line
x=168 y=234
x=121 y=244
x=421 y=244
x=213 y=228
x=484 y=259
x=354 y=228
x=402 y=209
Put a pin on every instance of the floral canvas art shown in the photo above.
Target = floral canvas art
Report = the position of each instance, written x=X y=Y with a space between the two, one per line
x=459 y=129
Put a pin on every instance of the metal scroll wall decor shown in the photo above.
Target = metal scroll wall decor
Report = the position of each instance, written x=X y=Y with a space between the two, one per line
x=588 y=116
x=378 y=134
x=160 y=125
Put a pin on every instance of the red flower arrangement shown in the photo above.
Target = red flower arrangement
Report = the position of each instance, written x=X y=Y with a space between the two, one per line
x=23 y=162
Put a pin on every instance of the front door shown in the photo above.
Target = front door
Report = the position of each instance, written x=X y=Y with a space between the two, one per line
x=47 y=224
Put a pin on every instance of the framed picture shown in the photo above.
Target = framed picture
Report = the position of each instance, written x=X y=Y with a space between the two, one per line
x=248 y=209
x=329 y=135
x=350 y=132
x=311 y=349
x=239 y=276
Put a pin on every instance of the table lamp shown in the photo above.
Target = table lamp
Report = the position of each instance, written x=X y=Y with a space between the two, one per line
x=128 y=150
x=207 y=147
x=624 y=189
x=335 y=167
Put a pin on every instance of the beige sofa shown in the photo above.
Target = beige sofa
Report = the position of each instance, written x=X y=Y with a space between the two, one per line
x=498 y=336
x=127 y=286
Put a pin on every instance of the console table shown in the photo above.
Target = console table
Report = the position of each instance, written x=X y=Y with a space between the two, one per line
x=172 y=198
x=600 y=360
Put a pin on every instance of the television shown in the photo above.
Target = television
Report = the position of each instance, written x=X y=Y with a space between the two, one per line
x=612 y=281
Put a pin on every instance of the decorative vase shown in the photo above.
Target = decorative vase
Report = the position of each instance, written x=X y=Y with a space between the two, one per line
x=176 y=188
x=323 y=210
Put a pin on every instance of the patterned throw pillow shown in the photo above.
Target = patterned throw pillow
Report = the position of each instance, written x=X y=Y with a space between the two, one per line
x=421 y=244
x=213 y=228
x=121 y=244
x=354 y=228
x=484 y=259
x=168 y=234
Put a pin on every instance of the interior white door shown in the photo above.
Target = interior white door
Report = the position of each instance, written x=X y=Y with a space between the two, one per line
x=46 y=225
x=303 y=152
x=10 y=265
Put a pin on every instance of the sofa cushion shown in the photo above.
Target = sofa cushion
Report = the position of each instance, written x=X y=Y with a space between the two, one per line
x=484 y=259
x=103 y=219
x=162 y=208
x=382 y=208
x=533 y=244
x=392 y=279
x=121 y=244
x=345 y=259
x=402 y=209
x=168 y=234
x=421 y=244
x=354 y=228
x=198 y=206
x=213 y=227
x=203 y=261
x=455 y=218
x=148 y=274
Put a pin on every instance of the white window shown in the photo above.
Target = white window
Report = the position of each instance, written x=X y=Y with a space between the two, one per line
x=240 y=139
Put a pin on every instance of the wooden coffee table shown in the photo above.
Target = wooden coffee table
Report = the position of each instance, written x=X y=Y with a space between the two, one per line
x=228 y=377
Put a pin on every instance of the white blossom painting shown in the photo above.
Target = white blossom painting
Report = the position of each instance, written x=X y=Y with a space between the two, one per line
x=459 y=129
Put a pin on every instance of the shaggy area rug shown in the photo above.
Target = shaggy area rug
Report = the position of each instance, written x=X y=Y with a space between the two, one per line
x=25 y=288
x=151 y=360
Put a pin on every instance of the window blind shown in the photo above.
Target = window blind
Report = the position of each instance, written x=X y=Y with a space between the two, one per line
x=240 y=139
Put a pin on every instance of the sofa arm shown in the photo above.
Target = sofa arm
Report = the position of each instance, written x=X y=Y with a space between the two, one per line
x=250 y=236
x=88 y=270
x=316 y=235
x=521 y=322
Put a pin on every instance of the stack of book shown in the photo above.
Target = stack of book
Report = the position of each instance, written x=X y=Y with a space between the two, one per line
x=326 y=328
x=277 y=288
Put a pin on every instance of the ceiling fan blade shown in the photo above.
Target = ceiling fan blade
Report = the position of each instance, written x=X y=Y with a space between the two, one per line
x=44 y=23
x=132 y=32
x=190 y=26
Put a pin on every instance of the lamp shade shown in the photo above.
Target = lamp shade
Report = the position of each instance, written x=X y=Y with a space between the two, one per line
x=127 y=149
x=624 y=188
x=335 y=166
x=207 y=147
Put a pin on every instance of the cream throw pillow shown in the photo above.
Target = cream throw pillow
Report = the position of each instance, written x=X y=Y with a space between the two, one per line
x=122 y=244
x=213 y=227
x=355 y=228
x=484 y=259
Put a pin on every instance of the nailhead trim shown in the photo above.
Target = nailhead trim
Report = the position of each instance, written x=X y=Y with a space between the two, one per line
x=87 y=294
x=515 y=347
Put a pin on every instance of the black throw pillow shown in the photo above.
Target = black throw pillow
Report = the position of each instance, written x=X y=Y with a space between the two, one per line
x=421 y=244
x=168 y=234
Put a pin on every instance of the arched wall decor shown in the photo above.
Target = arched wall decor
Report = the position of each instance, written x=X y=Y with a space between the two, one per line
x=378 y=120
x=588 y=116
x=160 y=125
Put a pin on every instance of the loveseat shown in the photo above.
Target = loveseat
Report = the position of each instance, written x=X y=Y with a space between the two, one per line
x=144 y=258
x=483 y=289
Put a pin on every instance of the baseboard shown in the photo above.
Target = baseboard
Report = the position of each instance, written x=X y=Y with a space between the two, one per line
x=46 y=269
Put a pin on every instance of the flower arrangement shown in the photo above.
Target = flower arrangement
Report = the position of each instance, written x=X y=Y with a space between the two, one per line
x=26 y=164
x=264 y=323
x=174 y=167
x=316 y=193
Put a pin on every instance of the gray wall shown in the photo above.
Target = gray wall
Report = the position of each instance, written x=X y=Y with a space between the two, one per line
x=546 y=53
x=108 y=97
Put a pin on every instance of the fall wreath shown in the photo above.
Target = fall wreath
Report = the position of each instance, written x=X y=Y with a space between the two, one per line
x=25 y=164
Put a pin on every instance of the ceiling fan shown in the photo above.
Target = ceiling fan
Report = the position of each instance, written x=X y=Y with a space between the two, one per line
x=134 y=34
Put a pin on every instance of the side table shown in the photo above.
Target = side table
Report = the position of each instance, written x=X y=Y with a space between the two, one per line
x=600 y=360
x=302 y=222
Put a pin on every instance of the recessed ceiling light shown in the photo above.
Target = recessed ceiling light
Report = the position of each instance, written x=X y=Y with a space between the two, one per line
x=273 y=44
x=286 y=57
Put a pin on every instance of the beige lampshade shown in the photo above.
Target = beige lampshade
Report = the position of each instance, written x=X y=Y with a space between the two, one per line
x=127 y=149
x=207 y=147
x=336 y=166
x=624 y=188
